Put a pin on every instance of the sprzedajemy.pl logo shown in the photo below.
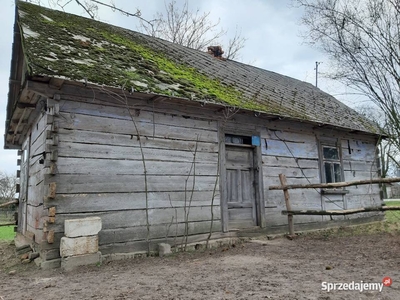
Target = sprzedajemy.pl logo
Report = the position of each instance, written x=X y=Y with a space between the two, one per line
x=356 y=286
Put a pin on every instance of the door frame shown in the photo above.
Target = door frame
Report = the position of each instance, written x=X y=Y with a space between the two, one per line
x=258 y=177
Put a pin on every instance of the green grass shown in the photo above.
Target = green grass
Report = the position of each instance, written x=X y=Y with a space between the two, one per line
x=393 y=216
x=391 y=225
x=7 y=233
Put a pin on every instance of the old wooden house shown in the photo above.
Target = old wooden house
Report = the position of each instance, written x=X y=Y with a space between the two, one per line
x=162 y=142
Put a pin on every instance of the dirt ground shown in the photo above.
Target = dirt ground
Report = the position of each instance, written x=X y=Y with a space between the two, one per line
x=270 y=269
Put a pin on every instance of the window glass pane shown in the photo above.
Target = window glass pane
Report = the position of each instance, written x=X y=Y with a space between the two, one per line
x=237 y=140
x=228 y=139
x=328 y=172
x=330 y=153
x=338 y=172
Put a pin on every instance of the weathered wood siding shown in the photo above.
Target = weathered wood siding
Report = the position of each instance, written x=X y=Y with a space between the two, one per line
x=94 y=167
x=100 y=171
x=35 y=211
x=293 y=150
x=359 y=162
x=296 y=156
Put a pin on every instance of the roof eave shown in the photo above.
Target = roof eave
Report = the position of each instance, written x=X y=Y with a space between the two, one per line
x=15 y=80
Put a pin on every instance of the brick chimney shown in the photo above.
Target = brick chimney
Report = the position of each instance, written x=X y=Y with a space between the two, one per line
x=216 y=51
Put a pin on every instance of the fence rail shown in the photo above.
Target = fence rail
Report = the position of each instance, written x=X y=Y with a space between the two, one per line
x=290 y=213
x=339 y=212
x=9 y=203
x=332 y=185
x=8 y=224
x=7 y=214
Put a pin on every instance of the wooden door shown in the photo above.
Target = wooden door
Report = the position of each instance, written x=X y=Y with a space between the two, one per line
x=240 y=187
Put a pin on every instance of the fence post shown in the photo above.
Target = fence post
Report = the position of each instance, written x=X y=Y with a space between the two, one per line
x=282 y=178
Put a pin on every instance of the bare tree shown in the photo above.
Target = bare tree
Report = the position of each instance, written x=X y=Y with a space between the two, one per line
x=362 y=40
x=388 y=152
x=180 y=26
x=191 y=29
x=90 y=7
x=7 y=187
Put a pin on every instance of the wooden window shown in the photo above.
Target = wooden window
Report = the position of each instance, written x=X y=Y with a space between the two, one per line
x=237 y=139
x=331 y=162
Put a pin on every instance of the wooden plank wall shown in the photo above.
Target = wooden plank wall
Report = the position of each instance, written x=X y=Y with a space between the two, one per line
x=360 y=163
x=293 y=151
x=95 y=168
x=100 y=172
x=36 y=213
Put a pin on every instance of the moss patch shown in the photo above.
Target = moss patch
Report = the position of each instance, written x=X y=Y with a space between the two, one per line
x=87 y=50
x=83 y=49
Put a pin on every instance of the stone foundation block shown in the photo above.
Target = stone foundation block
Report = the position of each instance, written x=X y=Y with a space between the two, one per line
x=164 y=249
x=82 y=227
x=73 y=262
x=46 y=265
x=79 y=245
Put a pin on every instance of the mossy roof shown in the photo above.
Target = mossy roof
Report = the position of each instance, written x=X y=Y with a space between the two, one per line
x=62 y=45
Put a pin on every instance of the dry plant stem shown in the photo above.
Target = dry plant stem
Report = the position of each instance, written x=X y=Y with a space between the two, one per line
x=176 y=222
x=145 y=181
x=227 y=113
x=212 y=201
x=124 y=100
x=186 y=207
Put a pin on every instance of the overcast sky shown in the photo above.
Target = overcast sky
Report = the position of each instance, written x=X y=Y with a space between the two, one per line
x=272 y=29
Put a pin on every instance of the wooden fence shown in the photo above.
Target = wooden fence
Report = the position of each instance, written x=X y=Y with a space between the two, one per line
x=7 y=204
x=290 y=213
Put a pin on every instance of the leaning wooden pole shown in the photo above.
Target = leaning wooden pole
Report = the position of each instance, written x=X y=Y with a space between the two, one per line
x=282 y=178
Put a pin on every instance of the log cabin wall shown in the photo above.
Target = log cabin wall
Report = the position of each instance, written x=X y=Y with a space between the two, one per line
x=100 y=171
x=38 y=159
x=94 y=167
x=149 y=165
x=32 y=213
x=294 y=150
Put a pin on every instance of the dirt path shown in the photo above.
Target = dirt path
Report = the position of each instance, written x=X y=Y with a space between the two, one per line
x=279 y=269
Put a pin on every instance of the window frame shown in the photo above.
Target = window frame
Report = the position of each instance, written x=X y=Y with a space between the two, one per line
x=331 y=143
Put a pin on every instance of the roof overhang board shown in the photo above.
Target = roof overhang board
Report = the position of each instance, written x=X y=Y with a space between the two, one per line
x=20 y=121
x=15 y=84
